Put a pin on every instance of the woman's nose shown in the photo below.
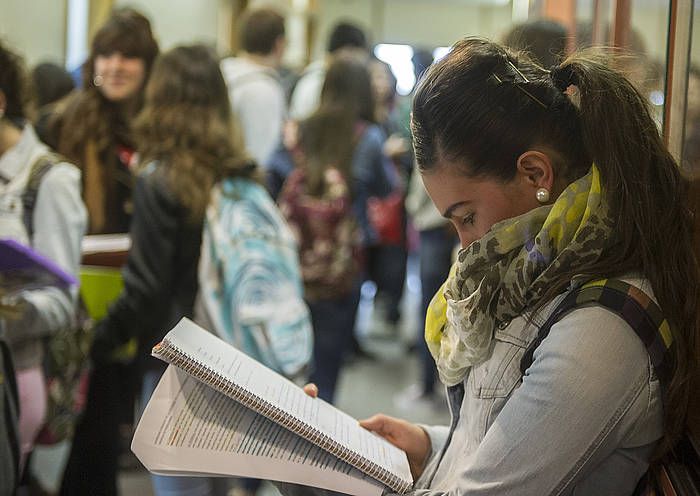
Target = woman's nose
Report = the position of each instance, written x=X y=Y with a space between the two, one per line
x=464 y=239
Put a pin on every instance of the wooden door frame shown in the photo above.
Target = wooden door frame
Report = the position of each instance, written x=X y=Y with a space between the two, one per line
x=677 y=68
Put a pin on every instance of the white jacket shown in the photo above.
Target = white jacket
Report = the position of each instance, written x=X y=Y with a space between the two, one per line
x=258 y=102
x=60 y=220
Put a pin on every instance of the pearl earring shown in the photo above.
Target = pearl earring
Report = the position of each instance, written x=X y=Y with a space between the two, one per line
x=542 y=195
x=98 y=80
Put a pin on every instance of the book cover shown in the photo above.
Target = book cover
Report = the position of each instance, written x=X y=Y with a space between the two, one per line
x=22 y=268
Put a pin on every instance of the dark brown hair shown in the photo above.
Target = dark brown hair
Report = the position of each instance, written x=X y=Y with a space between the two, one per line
x=260 y=30
x=462 y=112
x=186 y=124
x=87 y=114
x=328 y=136
x=346 y=35
x=128 y=32
x=14 y=83
x=348 y=85
x=51 y=83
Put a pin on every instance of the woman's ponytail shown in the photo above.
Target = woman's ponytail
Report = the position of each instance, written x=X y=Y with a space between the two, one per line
x=647 y=195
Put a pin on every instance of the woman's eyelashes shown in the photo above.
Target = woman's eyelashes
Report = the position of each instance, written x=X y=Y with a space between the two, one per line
x=468 y=220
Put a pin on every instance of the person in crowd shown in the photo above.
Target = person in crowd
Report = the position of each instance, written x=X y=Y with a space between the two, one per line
x=51 y=83
x=346 y=39
x=545 y=40
x=386 y=262
x=384 y=88
x=282 y=161
x=538 y=178
x=341 y=147
x=40 y=206
x=256 y=93
x=437 y=240
x=92 y=127
x=186 y=143
x=422 y=58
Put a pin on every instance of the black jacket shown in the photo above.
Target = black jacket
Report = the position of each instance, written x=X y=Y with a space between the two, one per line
x=160 y=275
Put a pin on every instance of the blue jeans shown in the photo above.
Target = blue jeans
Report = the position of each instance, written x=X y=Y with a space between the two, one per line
x=333 y=321
x=435 y=252
x=164 y=485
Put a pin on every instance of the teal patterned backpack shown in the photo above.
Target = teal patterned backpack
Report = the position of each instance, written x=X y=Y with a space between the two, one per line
x=250 y=289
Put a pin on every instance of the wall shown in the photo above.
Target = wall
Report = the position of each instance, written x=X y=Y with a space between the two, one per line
x=178 y=22
x=34 y=28
x=404 y=21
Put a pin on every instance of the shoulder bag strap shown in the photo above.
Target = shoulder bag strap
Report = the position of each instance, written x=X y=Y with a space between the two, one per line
x=640 y=312
x=39 y=169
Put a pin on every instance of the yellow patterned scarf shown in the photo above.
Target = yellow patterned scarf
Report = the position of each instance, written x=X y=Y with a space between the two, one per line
x=508 y=270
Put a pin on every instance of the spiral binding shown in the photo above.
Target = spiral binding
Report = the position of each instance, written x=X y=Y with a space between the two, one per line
x=174 y=355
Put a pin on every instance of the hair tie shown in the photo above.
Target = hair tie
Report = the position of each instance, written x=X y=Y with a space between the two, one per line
x=563 y=77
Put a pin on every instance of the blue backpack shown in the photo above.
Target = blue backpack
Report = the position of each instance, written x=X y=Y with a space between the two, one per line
x=250 y=288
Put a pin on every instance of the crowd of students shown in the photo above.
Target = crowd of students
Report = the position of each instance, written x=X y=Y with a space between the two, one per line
x=517 y=161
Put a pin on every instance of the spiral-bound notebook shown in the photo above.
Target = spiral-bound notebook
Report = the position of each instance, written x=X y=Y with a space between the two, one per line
x=218 y=412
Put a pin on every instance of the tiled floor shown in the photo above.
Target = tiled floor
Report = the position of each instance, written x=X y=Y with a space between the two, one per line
x=367 y=385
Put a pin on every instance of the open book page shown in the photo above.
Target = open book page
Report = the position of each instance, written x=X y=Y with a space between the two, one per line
x=190 y=429
x=271 y=387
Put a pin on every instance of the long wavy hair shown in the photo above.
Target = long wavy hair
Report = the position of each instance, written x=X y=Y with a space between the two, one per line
x=186 y=124
x=461 y=112
x=328 y=137
x=87 y=115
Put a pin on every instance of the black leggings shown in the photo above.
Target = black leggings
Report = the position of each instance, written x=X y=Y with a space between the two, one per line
x=93 y=462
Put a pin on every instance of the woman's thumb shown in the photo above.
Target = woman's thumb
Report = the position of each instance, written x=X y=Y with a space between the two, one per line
x=376 y=423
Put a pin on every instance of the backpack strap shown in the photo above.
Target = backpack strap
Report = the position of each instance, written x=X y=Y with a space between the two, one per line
x=8 y=385
x=39 y=169
x=640 y=312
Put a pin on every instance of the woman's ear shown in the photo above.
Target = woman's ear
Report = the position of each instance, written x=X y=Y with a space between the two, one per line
x=536 y=170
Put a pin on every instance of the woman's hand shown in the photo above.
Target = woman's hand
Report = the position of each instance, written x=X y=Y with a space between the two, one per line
x=406 y=436
x=413 y=440
x=11 y=307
